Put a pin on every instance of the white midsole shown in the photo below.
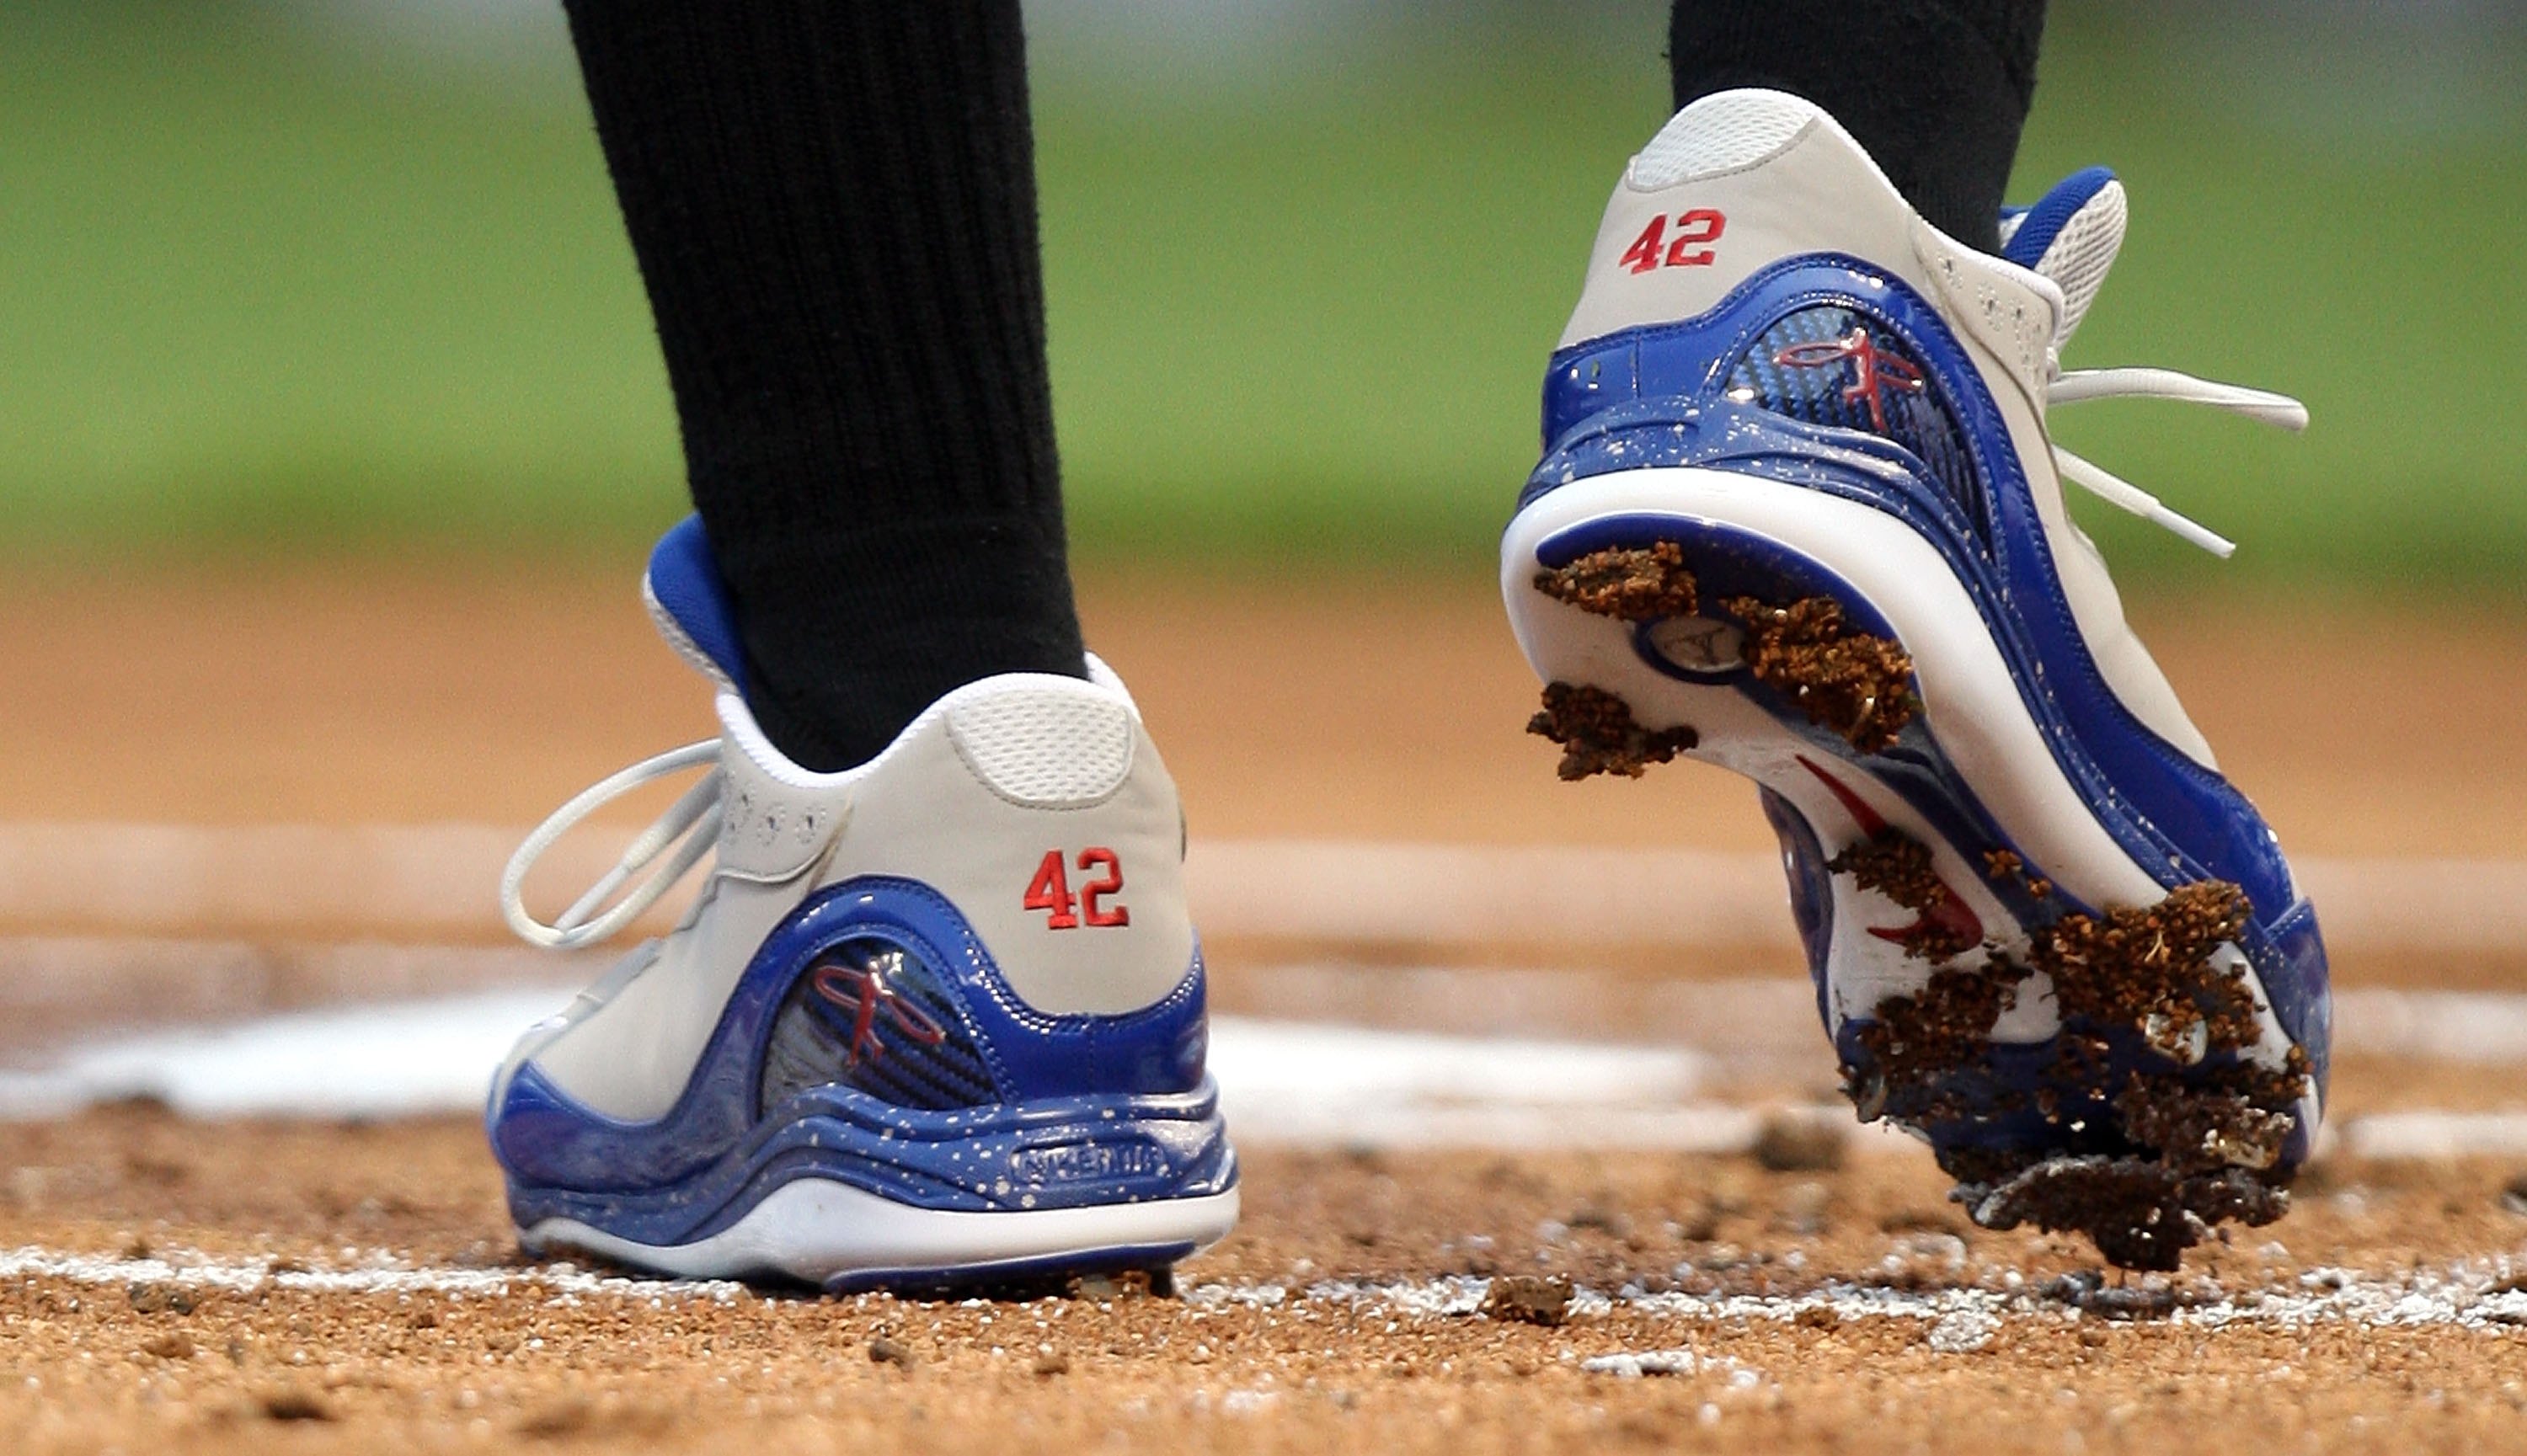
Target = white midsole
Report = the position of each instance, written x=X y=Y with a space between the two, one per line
x=1969 y=697
x=814 y=1229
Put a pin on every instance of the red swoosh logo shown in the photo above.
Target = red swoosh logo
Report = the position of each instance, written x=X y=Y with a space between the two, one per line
x=1951 y=915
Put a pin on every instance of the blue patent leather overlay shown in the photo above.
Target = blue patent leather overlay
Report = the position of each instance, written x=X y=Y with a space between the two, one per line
x=2302 y=998
x=1803 y=859
x=1649 y=397
x=1074 y=1098
x=686 y=582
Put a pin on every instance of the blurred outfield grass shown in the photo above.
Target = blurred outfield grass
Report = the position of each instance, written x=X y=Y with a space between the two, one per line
x=264 y=284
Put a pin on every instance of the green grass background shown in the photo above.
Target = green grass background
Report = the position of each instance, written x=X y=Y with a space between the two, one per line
x=274 y=283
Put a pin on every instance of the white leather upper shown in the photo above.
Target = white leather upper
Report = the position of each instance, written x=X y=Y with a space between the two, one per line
x=968 y=800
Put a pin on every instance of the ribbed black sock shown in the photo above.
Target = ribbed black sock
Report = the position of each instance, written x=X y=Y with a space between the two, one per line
x=834 y=208
x=1936 y=89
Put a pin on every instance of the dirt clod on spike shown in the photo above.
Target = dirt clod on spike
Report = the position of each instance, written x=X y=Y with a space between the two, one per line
x=1625 y=583
x=1846 y=681
x=2201 y=1129
x=2150 y=969
x=1598 y=735
x=2141 y=1213
x=1898 y=866
x=1917 y=1041
x=2193 y=1135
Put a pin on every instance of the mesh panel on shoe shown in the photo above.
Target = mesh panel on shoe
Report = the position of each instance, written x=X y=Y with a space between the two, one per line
x=2081 y=253
x=872 y=1015
x=1828 y=365
x=1726 y=132
x=1045 y=747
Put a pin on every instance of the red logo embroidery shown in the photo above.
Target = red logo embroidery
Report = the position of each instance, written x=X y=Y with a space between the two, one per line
x=1688 y=248
x=1049 y=891
x=862 y=991
x=1873 y=371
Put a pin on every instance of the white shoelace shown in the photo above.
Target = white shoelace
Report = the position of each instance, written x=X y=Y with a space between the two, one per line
x=689 y=827
x=2079 y=385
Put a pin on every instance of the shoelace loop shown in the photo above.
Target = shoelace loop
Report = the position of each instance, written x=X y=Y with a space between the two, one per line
x=689 y=827
x=2080 y=385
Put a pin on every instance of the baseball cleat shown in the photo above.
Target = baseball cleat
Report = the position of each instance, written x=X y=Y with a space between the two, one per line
x=937 y=1020
x=1798 y=516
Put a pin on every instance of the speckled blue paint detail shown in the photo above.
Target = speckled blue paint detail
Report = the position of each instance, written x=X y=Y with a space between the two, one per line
x=1089 y=1110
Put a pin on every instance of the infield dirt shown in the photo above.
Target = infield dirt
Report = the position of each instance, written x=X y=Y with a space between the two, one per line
x=1279 y=1340
x=1389 y=711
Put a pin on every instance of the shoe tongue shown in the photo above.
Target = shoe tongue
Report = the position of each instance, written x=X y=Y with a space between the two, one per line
x=690 y=605
x=2070 y=236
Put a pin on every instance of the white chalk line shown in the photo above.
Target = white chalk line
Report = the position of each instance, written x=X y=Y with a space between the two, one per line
x=2470 y=1294
x=441 y=879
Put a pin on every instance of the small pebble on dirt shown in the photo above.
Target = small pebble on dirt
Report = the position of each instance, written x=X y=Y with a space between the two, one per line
x=294 y=1405
x=1797 y=1143
x=886 y=1350
x=1529 y=1299
x=160 y=1299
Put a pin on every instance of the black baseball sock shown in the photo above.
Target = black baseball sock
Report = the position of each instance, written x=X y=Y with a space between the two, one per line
x=833 y=209
x=1936 y=89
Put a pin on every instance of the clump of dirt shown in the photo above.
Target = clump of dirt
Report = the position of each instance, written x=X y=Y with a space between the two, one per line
x=1598 y=735
x=1528 y=1300
x=1916 y=1042
x=2200 y=1129
x=2002 y=866
x=1627 y=584
x=1898 y=866
x=2139 y=1212
x=1856 y=685
x=888 y=1350
x=2150 y=968
x=292 y=1403
x=2193 y=1142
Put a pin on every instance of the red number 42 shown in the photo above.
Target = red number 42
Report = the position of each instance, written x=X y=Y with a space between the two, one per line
x=1049 y=891
x=1687 y=248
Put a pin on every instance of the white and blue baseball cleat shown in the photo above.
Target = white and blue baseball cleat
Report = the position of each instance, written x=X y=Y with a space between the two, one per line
x=1798 y=515
x=937 y=1020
